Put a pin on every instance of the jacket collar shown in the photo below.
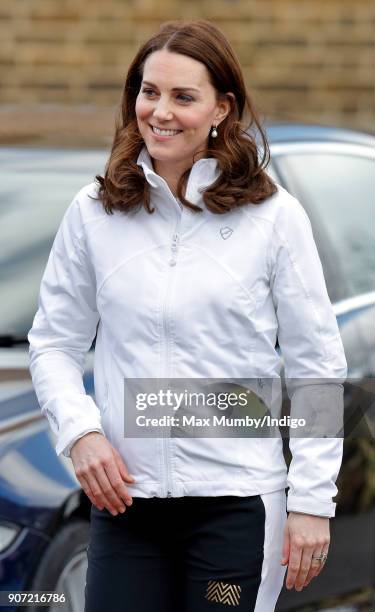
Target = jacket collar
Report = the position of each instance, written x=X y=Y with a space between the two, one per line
x=203 y=173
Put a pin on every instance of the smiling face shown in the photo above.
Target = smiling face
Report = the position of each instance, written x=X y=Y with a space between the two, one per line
x=176 y=94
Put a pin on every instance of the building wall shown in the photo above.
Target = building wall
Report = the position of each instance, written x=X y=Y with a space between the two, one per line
x=308 y=60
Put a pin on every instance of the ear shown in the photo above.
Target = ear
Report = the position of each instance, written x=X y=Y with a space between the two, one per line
x=224 y=106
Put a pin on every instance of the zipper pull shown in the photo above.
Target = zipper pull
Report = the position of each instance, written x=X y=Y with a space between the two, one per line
x=175 y=239
x=174 y=249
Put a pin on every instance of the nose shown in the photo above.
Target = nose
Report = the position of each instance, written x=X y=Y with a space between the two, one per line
x=162 y=112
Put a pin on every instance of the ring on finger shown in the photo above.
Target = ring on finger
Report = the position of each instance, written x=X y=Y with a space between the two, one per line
x=321 y=557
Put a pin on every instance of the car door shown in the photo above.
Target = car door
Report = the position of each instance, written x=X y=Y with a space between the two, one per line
x=335 y=182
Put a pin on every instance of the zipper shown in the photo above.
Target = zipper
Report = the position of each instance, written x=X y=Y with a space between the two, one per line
x=175 y=238
x=172 y=263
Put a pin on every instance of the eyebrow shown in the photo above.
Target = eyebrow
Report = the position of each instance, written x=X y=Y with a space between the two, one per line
x=173 y=88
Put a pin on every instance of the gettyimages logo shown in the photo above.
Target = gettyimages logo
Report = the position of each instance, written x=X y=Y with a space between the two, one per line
x=248 y=408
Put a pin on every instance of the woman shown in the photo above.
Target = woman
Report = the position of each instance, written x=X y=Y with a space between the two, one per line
x=187 y=261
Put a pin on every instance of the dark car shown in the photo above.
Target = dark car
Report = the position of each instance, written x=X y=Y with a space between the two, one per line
x=44 y=514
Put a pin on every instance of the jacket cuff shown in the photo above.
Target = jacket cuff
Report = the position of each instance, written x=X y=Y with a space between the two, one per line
x=306 y=505
x=66 y=450
x=66 y=441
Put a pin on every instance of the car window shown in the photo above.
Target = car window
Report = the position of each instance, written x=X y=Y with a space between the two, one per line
x=35 y=190
x=340 y=189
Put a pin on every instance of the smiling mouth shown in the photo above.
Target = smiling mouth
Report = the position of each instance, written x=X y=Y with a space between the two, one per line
x=164 y=132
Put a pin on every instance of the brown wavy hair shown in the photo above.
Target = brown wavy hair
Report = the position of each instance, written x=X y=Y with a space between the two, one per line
x=243 y=178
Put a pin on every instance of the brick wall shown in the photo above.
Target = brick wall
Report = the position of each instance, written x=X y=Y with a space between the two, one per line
x=308 y=60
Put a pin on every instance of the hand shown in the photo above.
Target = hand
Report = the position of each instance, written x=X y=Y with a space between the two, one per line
x=305 y=535
x=101 y=472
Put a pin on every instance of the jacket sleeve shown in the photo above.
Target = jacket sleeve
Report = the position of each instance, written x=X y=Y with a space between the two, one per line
x=62 y=333
x=314 y=359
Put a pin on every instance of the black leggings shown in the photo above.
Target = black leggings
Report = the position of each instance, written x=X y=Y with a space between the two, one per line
x=187 y=554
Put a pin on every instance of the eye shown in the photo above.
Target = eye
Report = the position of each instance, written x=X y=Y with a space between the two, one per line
x=185 y=98
x=147 y=91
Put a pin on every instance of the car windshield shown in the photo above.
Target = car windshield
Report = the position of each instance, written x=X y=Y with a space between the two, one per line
x=35 y=190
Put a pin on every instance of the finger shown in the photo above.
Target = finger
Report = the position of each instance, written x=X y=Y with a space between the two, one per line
x=286 y=546
x=121 y=466
x=117 y=482
x=320 y=564
x=310 y=575
x=111 y=500
x=90 y=493
x=100 y=498
x=316 y=566
x=312 y=571
x=96 y=479
x=304 y=567
x=294 y=563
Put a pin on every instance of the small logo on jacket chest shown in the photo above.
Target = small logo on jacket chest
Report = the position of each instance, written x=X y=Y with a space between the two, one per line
x=226 y=232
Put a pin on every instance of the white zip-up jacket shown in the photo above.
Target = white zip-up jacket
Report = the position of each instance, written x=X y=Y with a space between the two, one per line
x=179 y=294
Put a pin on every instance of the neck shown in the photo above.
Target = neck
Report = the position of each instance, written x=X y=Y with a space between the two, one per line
x=171 y=173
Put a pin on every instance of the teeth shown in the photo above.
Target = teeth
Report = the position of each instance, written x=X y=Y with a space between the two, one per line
x=165 y=132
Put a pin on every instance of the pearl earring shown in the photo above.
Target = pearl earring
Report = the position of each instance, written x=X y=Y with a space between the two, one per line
x=214 y=132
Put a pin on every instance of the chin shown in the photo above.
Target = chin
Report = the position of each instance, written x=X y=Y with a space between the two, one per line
x=160 y=151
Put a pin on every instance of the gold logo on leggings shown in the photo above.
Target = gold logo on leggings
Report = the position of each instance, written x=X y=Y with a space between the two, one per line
x=224 y=593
